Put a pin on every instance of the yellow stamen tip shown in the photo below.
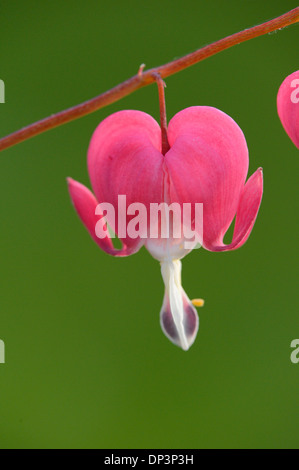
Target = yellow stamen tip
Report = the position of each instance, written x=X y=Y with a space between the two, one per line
x=198 y=302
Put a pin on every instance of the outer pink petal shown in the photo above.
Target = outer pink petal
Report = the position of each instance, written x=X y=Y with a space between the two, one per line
x=207 y=163
x=85 y=204
x=124 y=158
x=246 y=214
x=288 y=106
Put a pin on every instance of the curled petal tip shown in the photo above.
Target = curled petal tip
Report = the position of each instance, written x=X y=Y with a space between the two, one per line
x=87 y=208
x=85 y=205
x=249 y=204
x=71 y=182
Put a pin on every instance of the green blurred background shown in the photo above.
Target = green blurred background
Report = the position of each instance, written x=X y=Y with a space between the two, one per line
x=86 y=362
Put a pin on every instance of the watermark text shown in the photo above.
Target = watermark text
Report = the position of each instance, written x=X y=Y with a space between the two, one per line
x=2 y=91
x=295 y=353
x=155 y=221
x=2 y=352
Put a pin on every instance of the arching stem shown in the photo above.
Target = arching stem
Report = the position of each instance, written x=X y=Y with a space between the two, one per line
x=143 y=79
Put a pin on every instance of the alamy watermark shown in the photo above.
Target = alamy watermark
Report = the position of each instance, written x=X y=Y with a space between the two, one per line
x=157 y=220
x=2 y=352
x=2 y=91
x=295 y=93
x=295 y=353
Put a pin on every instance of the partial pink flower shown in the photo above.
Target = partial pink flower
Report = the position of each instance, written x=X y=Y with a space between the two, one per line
x=288 y=106
x=207 y=163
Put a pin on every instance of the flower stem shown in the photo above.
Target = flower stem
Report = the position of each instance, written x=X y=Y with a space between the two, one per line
x=146 y=78
x=163 y=120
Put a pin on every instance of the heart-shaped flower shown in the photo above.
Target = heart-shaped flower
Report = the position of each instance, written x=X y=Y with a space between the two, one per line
x=207 y=165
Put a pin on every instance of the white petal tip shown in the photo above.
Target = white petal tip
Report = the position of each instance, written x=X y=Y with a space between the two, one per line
x=184 y=335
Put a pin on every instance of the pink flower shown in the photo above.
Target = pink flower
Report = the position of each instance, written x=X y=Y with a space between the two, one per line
x=207 y=163
x=288 y=106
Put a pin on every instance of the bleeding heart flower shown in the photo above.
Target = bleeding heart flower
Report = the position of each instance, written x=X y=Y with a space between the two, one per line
x=207 y=163
x=288 y=106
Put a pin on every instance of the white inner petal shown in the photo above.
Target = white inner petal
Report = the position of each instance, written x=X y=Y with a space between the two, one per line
x=171 y=272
